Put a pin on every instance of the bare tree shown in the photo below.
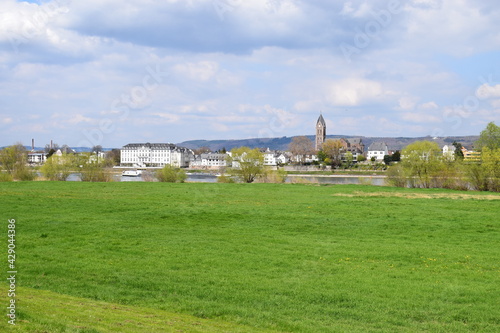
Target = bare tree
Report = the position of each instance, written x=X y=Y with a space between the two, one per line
x=49 y=150
x=201 y=150
x=97 y=149
x=114 y=156
x=65 y=149
x=333 y=149
x=301 y=146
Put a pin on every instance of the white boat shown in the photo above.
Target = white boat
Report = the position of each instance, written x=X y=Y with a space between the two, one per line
x=132 y=173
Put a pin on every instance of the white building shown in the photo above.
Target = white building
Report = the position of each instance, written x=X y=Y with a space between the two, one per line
x=155 y=155
x=37 y=158
x=273 y=158
x=378 y=150
x=64 y=150
x=213 y=160
x=449 y=152
x=309 y=158
x=195 y=162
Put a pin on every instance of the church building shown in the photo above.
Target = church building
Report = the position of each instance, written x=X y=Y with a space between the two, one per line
x=320 y=132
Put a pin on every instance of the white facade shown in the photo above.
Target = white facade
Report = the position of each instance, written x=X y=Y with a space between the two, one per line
x=195 y=162
x=273 y=158
x=305 y=158
x=311 y=158
x=213 y=160
x=155 y=155
x=37 y=158
x=378 y=150
x=449 y=152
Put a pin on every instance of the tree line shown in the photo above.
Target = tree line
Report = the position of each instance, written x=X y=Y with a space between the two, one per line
x=92 y=168
x=420 y=164
x=424 y=166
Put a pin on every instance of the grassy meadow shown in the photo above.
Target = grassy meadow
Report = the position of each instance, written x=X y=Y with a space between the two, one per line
x=161 y=257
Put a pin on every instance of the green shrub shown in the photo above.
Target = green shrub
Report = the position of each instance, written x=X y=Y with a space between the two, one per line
x=490 y=159
x=58 y=167
x=273 y=176
x=396 y=176
x=24 y=174
x=170 y=174
x=5 y=177
x=448 y=174
x=95 y=172
x=14 y=160
x=225 y=179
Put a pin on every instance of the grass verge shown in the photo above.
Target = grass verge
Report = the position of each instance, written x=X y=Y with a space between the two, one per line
x=46 y=311
x=291 y=258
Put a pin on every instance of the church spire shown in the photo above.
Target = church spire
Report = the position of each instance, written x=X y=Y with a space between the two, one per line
x=321 y=120
x=320 y=132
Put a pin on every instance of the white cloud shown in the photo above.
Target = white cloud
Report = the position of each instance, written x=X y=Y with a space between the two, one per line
x=201 y=71
x=352 y=92
x=429 y=106
x=417 y=117
x=76 y=119
x=407 y=102
x=361 y=11
x=347 y=9
x=486 y=91
x=265 y=66
x=428 y=4
x=495 y=103
x=457 y=27
x=220 y=127
x=167 y=117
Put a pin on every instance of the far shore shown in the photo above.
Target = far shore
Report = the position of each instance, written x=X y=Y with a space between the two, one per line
x=337 y=176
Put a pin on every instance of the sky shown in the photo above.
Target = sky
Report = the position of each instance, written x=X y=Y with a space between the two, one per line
x=110 y=72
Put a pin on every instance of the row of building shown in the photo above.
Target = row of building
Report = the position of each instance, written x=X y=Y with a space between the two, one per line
x=354 y=146
x=161 y=154
x=40 y=157
x=469 y=155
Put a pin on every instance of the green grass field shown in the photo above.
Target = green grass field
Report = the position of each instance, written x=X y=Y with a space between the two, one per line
x=159 y=257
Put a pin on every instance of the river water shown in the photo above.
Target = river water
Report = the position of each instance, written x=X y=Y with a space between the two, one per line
x=346 y=180
x=208 y=178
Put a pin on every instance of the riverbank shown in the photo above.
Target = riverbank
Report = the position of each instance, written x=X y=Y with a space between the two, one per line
x=337 y=175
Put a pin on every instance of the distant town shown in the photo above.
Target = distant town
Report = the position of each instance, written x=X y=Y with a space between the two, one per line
x=302 y=150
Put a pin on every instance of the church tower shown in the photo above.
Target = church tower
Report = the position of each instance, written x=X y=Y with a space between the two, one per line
x=320 y=132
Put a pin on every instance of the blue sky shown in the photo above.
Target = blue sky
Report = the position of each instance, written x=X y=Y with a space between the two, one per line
x=111 y=72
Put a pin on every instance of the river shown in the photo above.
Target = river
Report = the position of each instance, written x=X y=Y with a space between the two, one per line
x=319 y=179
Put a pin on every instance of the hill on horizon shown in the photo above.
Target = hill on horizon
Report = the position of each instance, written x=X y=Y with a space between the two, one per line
x=396 y=143
x=281 y=143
